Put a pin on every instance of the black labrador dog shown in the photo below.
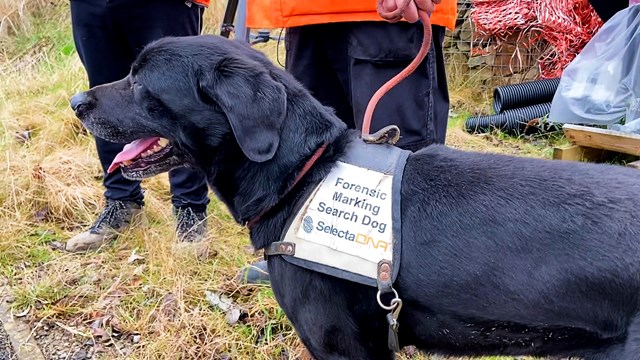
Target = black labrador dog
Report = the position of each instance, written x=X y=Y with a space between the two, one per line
x=501 y=255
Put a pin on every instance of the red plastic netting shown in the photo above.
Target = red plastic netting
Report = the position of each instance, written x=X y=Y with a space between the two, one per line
x=566 y=25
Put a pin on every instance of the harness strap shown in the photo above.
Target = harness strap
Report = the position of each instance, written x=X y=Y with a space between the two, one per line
x=280 y=248
x=385 y=269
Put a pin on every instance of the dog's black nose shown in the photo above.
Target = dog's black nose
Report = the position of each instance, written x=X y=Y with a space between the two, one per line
x=79 y=99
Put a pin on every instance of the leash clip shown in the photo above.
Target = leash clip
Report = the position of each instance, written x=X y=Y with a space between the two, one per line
x=392 y=319
x=385 y=282
x=387 y=135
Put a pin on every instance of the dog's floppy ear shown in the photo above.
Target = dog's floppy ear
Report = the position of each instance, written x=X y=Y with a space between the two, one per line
x=254 y=103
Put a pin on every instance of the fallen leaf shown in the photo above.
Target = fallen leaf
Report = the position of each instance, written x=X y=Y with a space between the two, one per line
x=100 y=334
x=218 y=300
x=37 y=172
x=169 y=305
x=410 y=351
x=224 y=303
x=99 y=348
x=56 y=245
x=137 y=281
x=110 y=300
x=23 y=136
x=139 y=270
x=97 y=323
x=134 y=257
x=305 y=355
x=41 y=215
x=95 y=314
x=116 y=325
x=23 y=313
x=232 y=316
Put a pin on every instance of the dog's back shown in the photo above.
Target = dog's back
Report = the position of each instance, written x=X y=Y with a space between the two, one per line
x=523 y=244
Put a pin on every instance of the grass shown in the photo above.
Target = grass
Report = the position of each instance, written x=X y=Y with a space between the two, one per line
x=50 y=188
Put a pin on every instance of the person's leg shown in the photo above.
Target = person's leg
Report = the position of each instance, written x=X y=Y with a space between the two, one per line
x=144 y=22
x=377 y=52
x=105 y=60
x=440 y=89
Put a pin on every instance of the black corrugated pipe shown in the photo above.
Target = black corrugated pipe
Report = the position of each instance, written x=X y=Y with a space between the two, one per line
x=513 y=122
x=524 y=94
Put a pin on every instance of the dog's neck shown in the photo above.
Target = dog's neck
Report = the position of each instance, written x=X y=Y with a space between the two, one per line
x=305 y=169
x=249 y=189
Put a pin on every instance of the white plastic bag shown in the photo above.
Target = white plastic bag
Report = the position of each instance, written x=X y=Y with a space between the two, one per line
x=602 y=84
x=632 y=119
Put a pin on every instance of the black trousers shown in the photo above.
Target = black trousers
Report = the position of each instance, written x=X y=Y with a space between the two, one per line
x=607 y=8
x=108 y=35
x=344 y=64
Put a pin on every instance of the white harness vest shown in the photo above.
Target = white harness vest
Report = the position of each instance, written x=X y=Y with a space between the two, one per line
x=350 y=223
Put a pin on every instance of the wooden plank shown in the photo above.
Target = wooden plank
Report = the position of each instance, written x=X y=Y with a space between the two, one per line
x=635 y=164
x=603 y=139
x=571 y=153
x=579 y=153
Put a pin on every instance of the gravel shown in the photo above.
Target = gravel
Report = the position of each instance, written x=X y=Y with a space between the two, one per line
x=57 y=344
x=6 y=351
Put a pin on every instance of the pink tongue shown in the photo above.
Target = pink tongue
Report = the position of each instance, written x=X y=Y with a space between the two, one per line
x=130 y=151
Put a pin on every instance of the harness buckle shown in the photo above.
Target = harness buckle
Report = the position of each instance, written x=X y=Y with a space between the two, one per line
x=280 y=248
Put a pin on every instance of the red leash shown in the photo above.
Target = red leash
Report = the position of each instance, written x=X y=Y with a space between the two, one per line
x=394 y=16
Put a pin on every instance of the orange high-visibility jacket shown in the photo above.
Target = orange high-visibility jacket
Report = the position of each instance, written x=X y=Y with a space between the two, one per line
x=204 y=3
x=269 y=14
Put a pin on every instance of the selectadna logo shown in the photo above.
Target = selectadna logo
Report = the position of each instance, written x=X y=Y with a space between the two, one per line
x=307 y=224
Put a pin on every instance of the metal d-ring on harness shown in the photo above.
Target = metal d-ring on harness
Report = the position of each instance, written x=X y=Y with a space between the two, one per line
x=391 y=134
x=394 y=307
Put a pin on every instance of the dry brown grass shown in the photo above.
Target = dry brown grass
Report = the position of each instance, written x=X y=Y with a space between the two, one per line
x=50 y=188
x=14 y=14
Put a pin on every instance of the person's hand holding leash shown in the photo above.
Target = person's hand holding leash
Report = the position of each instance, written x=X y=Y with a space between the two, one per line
x=395 y=10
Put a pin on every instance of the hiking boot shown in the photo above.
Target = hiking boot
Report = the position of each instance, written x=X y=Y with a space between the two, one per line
x=191 y=230
x=116 y=217
x=255 y=273
x=191 y=226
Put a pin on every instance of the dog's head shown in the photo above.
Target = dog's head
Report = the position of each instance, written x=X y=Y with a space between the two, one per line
x=182 y=99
